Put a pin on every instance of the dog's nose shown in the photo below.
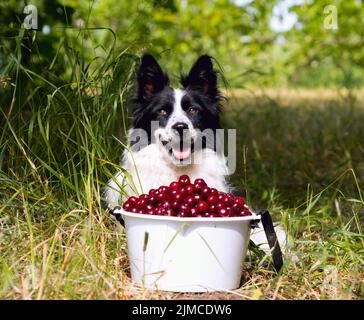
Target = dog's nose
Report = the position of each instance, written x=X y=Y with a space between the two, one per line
x=179 y=127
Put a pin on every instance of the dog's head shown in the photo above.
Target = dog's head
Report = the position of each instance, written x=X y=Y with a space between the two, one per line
x=181 y=114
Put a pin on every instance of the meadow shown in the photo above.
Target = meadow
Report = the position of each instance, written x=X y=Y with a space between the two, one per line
x=300 y=155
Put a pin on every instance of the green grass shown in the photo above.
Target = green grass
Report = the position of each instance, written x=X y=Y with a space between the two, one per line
x=60 y=142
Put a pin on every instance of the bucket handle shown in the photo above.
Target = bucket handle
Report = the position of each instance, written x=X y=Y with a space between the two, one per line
x=271 y=235
x=267 y=225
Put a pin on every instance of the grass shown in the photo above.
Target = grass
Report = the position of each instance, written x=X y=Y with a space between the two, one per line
x=302 y=158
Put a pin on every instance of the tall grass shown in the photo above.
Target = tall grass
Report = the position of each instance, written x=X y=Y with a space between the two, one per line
x=60 y=142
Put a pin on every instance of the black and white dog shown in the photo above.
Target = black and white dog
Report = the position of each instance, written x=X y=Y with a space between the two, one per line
x=175 y=146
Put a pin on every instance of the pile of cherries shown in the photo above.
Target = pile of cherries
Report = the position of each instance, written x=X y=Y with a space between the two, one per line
x=185 y=199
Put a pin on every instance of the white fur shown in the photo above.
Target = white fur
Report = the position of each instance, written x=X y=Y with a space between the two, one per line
x=155 y=170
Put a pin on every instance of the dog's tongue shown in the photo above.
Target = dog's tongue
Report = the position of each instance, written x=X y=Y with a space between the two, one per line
x=182 y=154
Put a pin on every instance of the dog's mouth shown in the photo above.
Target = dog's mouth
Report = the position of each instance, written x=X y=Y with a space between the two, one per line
x=179 y=151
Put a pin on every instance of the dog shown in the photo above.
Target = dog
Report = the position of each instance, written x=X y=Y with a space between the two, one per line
x=160 y=154
x=171 y=149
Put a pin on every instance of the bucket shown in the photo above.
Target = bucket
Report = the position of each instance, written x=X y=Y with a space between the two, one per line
x=186 y=254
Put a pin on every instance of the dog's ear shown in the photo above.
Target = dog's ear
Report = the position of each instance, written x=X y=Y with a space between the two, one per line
x=151 y=79
x=202 y=77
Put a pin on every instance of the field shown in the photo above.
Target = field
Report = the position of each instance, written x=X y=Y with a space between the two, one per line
x=300 y=154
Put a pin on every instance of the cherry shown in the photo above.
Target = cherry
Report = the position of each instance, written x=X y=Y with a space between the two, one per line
x=184 y=180
x=133 y=200
x=190 y=189
x=152 y=199
x=190 y=200
x=205 y=192
x=220 y=205
x=183 y=192
x=200 y=181
x=175 y=205
x=198 y=187
x=202 y=206
x=212 y=208
x=163 y=189
x=211 y=200
x=152 y=192
x=169 y=212
x=183 y=213
x=222 y=212
x=148 y=207
x=149 y=211
x=127 y=206
x=228 y=201
x=134 y=210
x=193 y=212
x=214 y=192
x=144 y=196
x=161 y=196
x=141 y=203
x=166 y=204
x=240 y=201
x=236 y=208
x=173 y=185
x=221 y=197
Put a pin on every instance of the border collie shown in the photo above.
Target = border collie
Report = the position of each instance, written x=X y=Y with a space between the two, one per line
x=175 y=146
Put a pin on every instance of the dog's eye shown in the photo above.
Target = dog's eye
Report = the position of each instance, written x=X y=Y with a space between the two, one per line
x=162 y=113
x=192 y=110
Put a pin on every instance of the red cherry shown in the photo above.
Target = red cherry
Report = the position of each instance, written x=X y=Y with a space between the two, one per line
x=133 y=200
x=200 y=181
x=220 y=205
x=240 y=201
x=212 y=208
x=190 y=200
x=221 y=197
x=193 y=212
x=174 y=185
x=211 y=200
x=170 y=212
x=163 y=189
x=190 y=189
x=134 y=210
x=152 y=192
x=127 y=206
x=173 y=192
x=198 y=187
x=160 y=197
x=183 y=192
x=144 y=196
x=210 y=215
x=149 y=211
x=228 y=200
x=236 y=208
x=214 y=192
x=183 y=213
x=202 y=206
x=197 y=197
x=184 y=207
x=166 y=204
x=229 y=212
x=175 y=204
x=205 y=192
x=222 y=212
x=141 y=203
x=148 y=207
x=152 y=199
x=184 y=180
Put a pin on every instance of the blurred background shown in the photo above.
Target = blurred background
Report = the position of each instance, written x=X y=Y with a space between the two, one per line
x=293 y=43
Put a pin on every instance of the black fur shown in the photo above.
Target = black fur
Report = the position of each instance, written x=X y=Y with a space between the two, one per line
x=153 y=93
